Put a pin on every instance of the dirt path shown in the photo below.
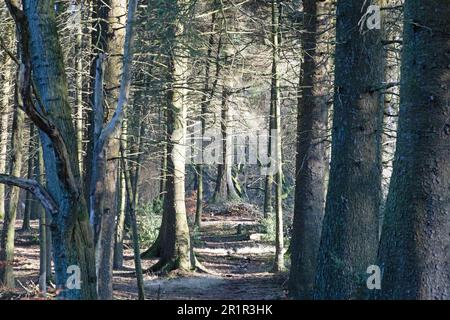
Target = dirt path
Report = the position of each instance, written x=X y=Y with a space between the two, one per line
x=239 y=267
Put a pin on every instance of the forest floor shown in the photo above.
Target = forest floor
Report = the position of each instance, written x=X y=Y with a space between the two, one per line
x=229 y=246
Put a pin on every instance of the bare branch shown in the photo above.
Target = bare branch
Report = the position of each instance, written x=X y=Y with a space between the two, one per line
x=34 y=187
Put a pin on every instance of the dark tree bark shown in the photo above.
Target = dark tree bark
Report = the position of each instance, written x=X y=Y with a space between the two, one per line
x=311 y=161
x=415 y=242
x=350 y=226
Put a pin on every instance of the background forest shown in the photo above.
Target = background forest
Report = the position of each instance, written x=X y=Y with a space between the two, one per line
x=225 y=149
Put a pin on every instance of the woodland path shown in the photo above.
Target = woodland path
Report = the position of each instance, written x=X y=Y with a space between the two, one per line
x=239 y=267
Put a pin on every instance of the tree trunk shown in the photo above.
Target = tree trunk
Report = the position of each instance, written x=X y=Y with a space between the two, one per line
x=105 y=192
x=45 y=267
x=5 y=114
x=311 y=161
x=225 y=189
x=29 y=197
x=7 y=239
x=415 y=243
x=132 y=202
x=276 y=105
x=121 y=205
x=175 y=240
x=350 y=226
x=71 y=233
x=206 y=101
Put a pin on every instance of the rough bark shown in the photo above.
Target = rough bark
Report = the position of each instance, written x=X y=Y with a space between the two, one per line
x=311 y=160
x=350 y=226
x=71 y=234
x=415 y=242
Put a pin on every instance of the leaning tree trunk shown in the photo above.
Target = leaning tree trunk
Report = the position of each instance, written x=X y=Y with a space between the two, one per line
x=415 y=241
x=350 y=226
x=311 y=161
x=7 y=238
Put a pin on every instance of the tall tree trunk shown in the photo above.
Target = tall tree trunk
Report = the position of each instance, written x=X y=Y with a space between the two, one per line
x=7 y=239
x=175 y=241
x=71 y=233
x=276 y=105
x=225 y=189
x=45 y=267
x=44 y=221
x=5 y=114
x=350 y=226
x=105 y=208
x=311 y=161
x=206 y=101
x=132 y=202
x=415 y=243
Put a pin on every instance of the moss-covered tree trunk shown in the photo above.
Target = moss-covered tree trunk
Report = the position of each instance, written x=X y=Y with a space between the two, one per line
x=73 y=247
